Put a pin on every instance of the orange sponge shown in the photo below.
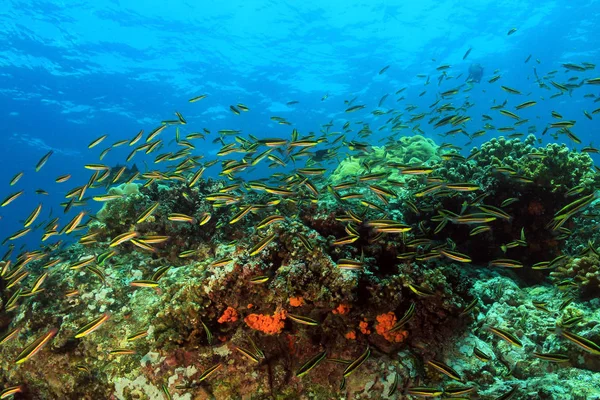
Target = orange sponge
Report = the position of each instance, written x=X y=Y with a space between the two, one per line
x=269 y=324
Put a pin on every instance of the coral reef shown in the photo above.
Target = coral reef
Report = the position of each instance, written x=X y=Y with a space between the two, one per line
x=212 y=289
x=580 y=273
x=408 y=151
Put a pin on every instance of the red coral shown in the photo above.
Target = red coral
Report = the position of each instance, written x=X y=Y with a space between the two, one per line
x=296 y=301
x=385 y=322
x=229 y=315
x=364 y=327
x=269 y=324
x=351 y=335
x=342 y=309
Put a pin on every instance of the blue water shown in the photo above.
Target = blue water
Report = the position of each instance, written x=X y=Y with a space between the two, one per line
x=72 y=71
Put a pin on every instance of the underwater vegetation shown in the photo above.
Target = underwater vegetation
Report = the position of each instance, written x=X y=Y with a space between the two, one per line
x=404 y=270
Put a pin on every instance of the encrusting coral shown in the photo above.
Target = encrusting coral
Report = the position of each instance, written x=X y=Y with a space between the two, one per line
x=220 y=294
x=269 y=324
x=581 y=273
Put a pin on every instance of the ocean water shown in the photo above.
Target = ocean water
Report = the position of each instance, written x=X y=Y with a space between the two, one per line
x=71 y=72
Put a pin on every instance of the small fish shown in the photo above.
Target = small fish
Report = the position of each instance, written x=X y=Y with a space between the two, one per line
x=510 y=114
x=345 y=240
x=204 y=218
x=159 y=273
x=63 y=178
x=455 y=256
x=43 y=161
x=221 y=262
x=32 y=217
x=122 y=238
x=420 y=290
x=144 y=283
x=97 y=141
x=511 y=31
x=542 y=265
x=467 y=53
x=445 y=369
x=526 y=104
x=495 y=211
x=422 y=391
x=469 y=307
x=302 y=320
x=417 y=171
x=10 y=334
x=92 y=326
x=197 y=98
x=209 y=372
x=10 y=198
x=510 y=90
x=137 y=335
x=355 y=108
x=9 y=391
x=541 y=305
x=507 y=336
x=262 y=244
x=259 y=279
x=121 y=352
x=357 y=363
x=165 y=390
x=310 y=364
x=344 y=263
x=16 y=178
x=248 y=354
x=408 y=315
x=504 y=262
x=509 y=201
x=570 y=322
x=481 y=355
x=552 y=357
x=34 y=347
x=209 y=336
x=269 y=220
x=566 y=303
x=147 y=213
x=454 y=391
x=580 y=341
x=384 y=69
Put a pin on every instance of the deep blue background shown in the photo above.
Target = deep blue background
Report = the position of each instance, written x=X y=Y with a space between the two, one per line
x=72 y=71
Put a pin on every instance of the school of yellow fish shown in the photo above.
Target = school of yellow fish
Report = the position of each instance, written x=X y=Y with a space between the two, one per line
x=300 y=165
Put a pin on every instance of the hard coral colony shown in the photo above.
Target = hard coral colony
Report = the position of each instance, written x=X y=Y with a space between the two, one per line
x=407 y=268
